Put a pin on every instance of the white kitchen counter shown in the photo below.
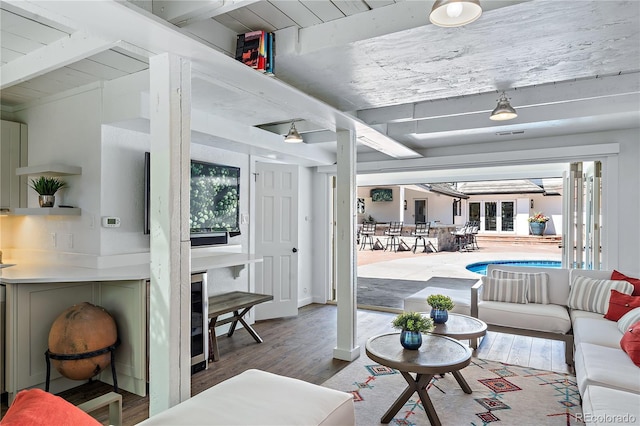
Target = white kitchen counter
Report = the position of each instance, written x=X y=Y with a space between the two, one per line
x=34 y=273
x=37 y=293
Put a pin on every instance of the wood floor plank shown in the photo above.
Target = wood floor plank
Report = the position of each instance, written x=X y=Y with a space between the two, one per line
x=500 y=348
x=541 y=354
x=302 y=347
x=520 y=353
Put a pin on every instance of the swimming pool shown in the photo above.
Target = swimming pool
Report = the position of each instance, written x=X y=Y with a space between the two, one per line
x=481 y=267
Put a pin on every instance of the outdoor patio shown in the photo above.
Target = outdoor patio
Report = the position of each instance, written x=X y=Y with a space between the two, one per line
x=408 y=266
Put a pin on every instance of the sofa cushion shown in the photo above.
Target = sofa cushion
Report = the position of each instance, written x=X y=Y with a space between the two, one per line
x=615 y=275
x=627 y=319
x=620 y=304
x=504 y=290
x=529 y=316
x=257 y=397
x=604 y=366
x=630 y=343
x=35 y=407
x=589 y=327
x=600 y=403
x=592 y=295
x=558 y=280
x=537 y=283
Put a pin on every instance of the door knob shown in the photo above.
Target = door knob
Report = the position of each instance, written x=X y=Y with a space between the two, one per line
x=295 y=250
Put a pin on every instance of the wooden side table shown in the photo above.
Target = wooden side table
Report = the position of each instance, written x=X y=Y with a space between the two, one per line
x=462 y=327
x=238 y=302
x=437 y=355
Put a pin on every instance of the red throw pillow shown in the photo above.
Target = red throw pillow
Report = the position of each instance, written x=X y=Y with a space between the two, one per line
x=620 y=304
x=630 y=343
x=35 y=407
x=619 y=276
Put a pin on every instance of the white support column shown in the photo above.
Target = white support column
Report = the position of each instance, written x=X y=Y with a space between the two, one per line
x=170 y=299
x=346 y=348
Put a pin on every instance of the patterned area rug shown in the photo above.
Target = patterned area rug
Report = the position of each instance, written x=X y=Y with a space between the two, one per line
x=503 y=394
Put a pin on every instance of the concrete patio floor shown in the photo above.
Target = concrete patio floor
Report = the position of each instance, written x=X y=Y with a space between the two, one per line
x=422 y=266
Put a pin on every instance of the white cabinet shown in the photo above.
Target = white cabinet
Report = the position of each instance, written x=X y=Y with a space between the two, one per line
x=13 y=154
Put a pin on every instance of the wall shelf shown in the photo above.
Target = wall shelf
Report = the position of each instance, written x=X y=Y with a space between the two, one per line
x=49 y=169
x=47 y=211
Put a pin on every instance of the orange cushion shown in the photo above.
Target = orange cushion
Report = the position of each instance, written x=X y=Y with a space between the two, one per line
x=630 y=343
x=35 y=407
x=619 y=276
x=620 y=304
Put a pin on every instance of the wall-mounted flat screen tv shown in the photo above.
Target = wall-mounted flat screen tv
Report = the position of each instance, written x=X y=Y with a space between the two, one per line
x=214 y=202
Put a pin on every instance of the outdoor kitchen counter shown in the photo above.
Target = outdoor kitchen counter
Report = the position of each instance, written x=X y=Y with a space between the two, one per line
x=439 y=233
x=37 y=294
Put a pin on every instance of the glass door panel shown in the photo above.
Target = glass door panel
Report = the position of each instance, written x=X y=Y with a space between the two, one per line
x=490 y=215
x=474 y=212
x=507 y=210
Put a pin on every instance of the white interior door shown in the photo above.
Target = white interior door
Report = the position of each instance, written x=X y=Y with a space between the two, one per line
x=277 y=239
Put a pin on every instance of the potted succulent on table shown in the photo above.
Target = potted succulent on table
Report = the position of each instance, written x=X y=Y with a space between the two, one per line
x=412 y=324
x=46 y=187
x=440 y=307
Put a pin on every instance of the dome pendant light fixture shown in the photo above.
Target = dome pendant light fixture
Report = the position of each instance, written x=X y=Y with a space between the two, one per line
x=504 y=110
x=455 y=13
x=293 y=136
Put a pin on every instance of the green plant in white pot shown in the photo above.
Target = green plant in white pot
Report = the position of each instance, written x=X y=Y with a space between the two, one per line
x=46 y=187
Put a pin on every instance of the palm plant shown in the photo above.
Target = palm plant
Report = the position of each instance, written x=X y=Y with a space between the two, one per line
x=47 y=185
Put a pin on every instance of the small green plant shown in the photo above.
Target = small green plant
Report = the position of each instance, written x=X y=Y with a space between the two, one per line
x=47 y=185
x=413 y=321
x=440 y=301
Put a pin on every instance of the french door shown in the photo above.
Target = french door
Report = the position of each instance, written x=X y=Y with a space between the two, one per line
x=581 y=247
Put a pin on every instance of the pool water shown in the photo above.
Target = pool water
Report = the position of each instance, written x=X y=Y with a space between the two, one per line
x=481 y=267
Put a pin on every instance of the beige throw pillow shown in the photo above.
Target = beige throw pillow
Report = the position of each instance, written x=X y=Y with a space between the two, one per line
x=588 y=294
x=538 y=284
x=504 y=290
x=625 y=321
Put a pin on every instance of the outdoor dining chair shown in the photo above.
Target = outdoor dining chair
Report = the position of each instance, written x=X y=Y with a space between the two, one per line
x=393 y=235
x=366 y=234
x=421 y=231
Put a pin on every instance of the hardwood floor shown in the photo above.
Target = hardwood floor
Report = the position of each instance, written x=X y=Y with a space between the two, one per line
x=302 y=347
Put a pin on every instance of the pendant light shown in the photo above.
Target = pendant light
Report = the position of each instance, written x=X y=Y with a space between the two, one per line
x=293 y=136
x=455 y=13
x=504 y=110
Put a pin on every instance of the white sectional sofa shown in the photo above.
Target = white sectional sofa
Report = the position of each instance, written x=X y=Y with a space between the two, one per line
x=608 y=380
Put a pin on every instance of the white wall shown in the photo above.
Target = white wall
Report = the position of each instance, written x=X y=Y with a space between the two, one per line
x=67 y=131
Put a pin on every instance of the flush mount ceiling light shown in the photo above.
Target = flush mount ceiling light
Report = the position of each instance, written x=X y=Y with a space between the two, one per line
x=504 y=110
x=455 y=13
x=293 y=136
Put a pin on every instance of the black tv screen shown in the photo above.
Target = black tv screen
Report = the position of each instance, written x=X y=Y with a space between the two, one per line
x=214 y=201
x=214 y=198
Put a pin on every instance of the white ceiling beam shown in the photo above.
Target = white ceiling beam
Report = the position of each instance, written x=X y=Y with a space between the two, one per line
x=60 y=53
x=598 y=90
x=377 y=22
x=528 y=116
x=185 y=12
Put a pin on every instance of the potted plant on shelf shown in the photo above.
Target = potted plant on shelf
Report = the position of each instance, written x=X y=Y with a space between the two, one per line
x=440 y=307
x=412 y=324
x=46 y=187
x=538 y=223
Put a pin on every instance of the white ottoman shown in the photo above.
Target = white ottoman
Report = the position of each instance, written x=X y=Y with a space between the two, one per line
x=257 y=397
x=418 y=302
